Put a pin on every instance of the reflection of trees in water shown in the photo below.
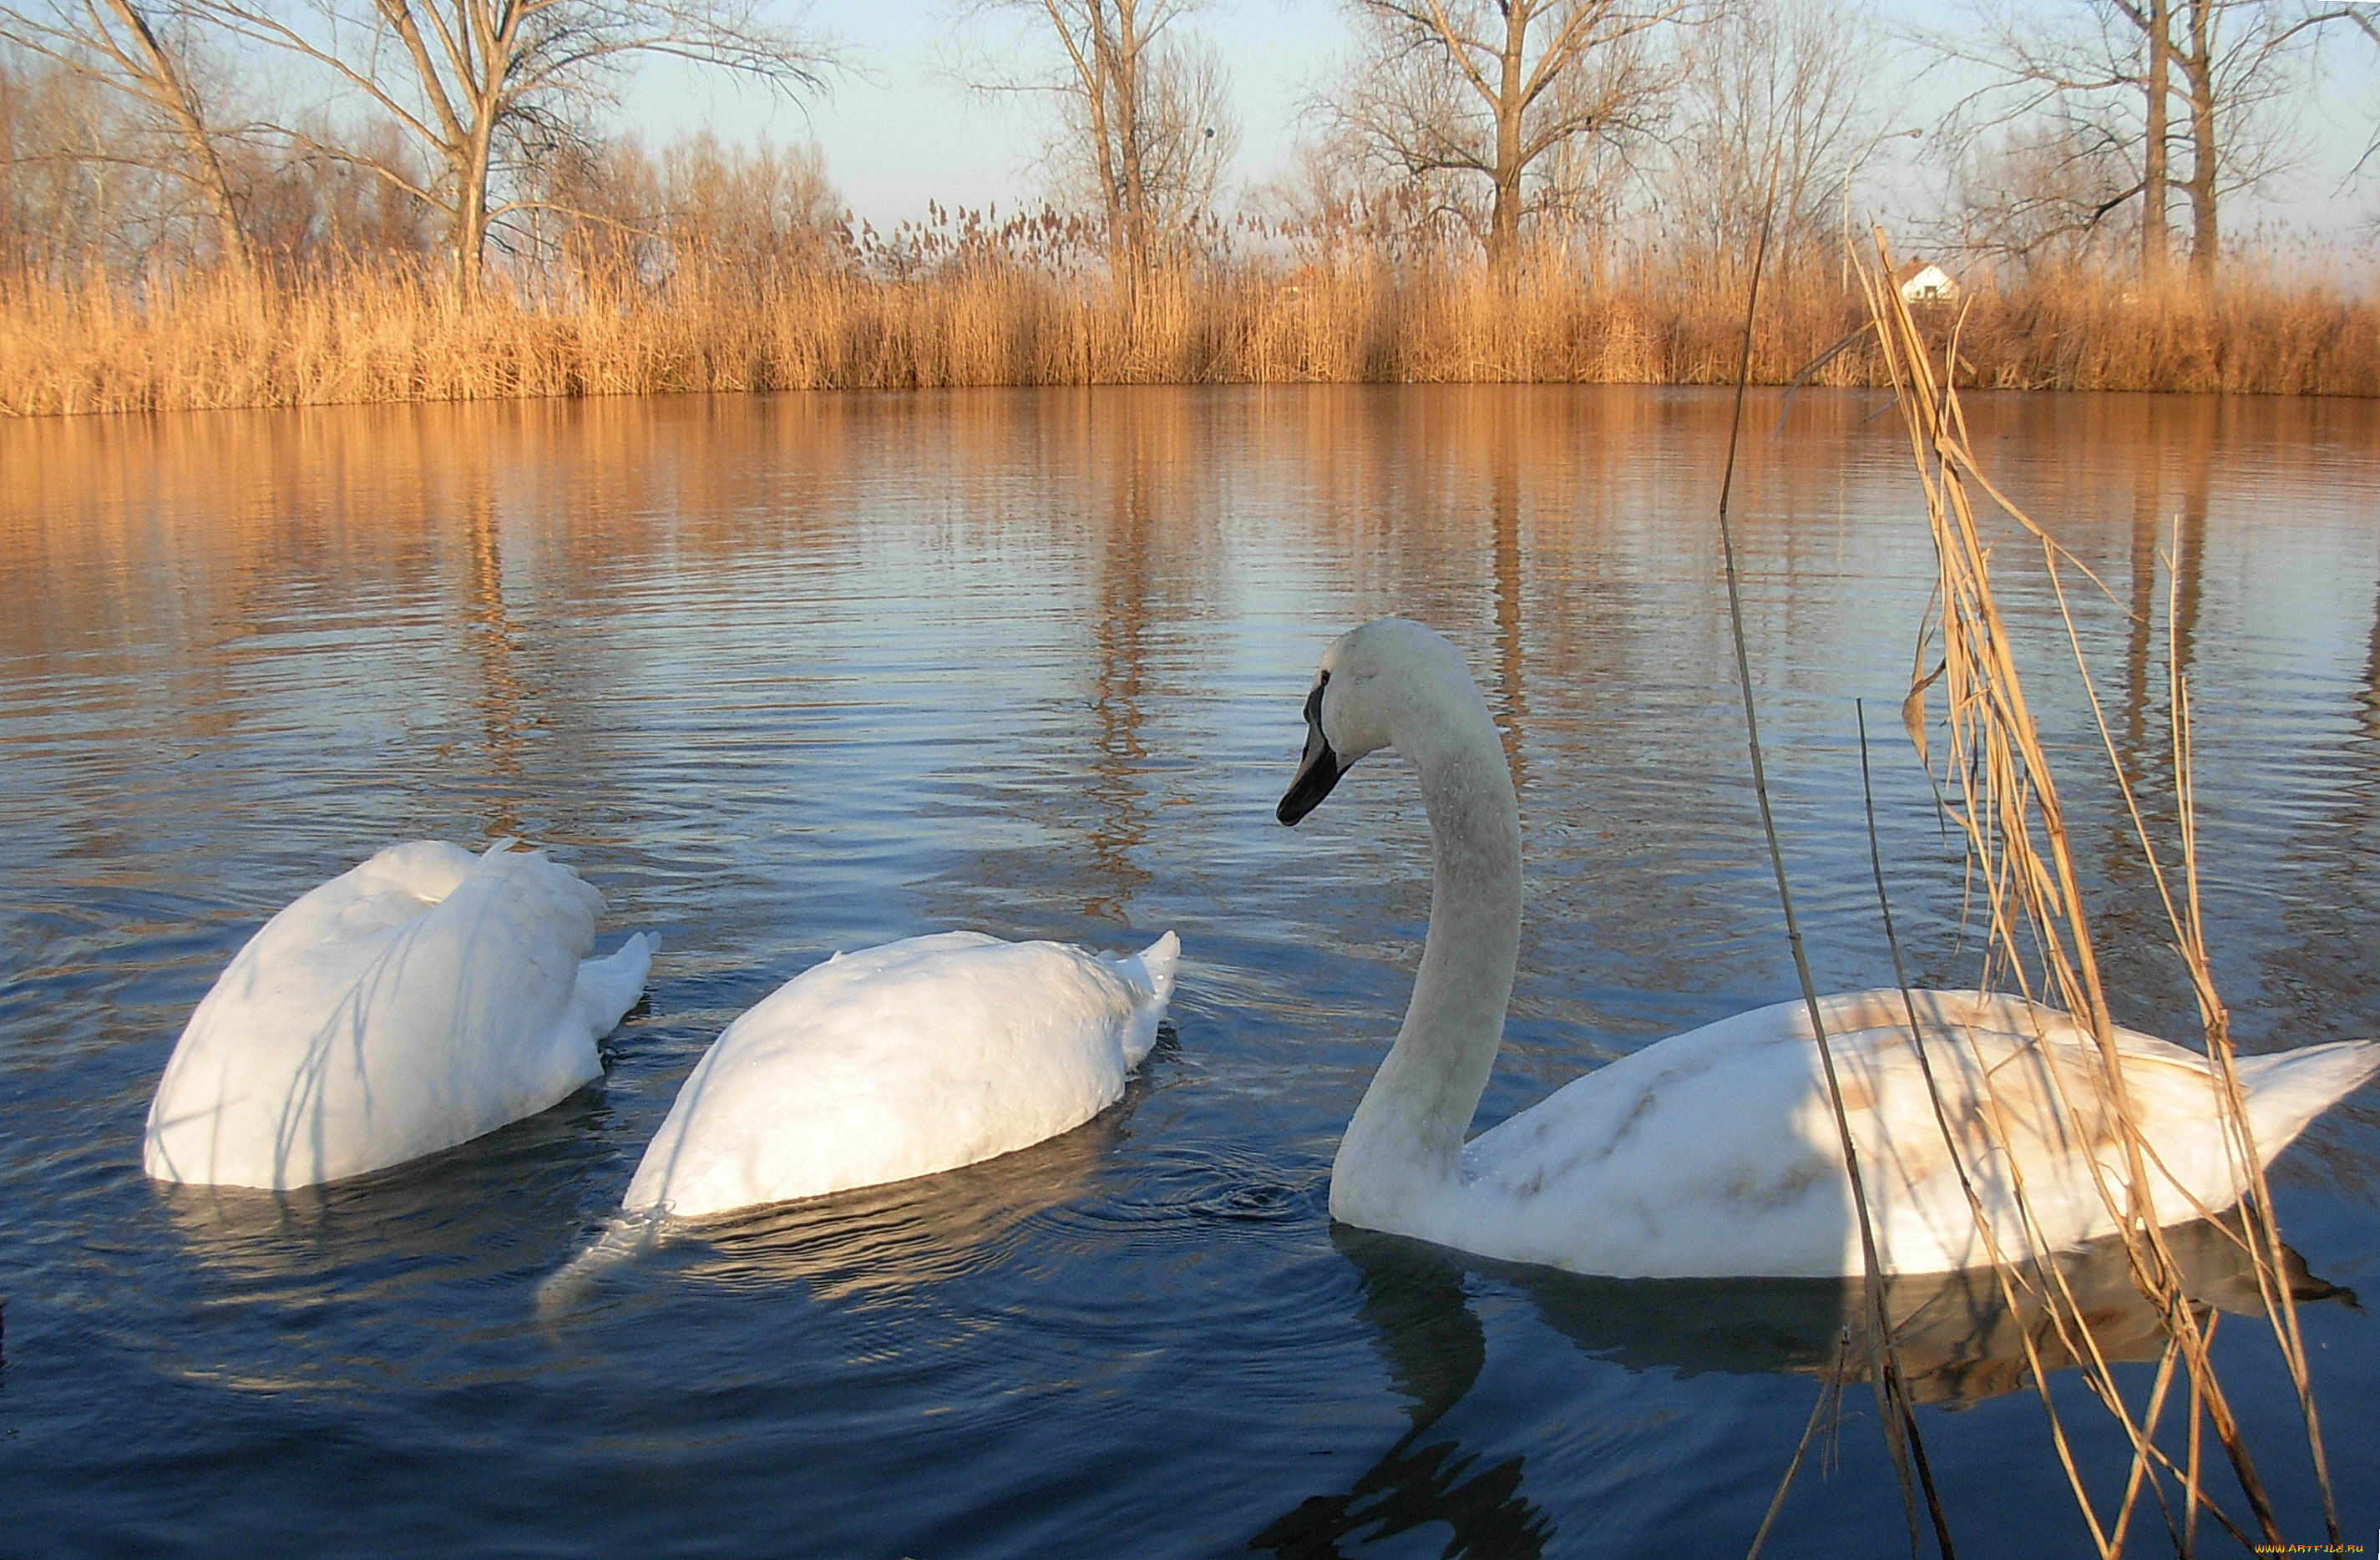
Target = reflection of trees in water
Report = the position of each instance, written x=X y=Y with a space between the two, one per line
x=2174 y=454
x=491 y=640
x=1119 y=488
x=241 y=523
x=1124 y=515
x=1504 y=521
x=2163 y=457
x=2324 y=973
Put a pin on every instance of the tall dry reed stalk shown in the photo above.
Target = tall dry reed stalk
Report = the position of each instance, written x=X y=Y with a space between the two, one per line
x=1999 y=787
x=1895 y=1410
x=384 y=331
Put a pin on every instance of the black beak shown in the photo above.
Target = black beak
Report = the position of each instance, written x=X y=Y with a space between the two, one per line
x=1317 y=771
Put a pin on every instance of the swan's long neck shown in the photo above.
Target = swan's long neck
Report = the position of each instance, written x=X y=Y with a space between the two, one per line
x=1406 y=1137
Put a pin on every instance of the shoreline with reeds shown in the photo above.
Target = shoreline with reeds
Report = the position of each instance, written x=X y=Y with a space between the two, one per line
x=385 y=333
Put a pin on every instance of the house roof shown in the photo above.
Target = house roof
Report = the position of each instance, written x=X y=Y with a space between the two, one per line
x=1911 y=269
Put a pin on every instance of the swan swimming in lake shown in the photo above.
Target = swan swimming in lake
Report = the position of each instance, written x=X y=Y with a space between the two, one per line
x=1715 y=1154
x=902 y=1060
x=419 y=1001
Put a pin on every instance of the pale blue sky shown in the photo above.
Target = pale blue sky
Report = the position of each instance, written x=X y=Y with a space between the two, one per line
x=908 y=131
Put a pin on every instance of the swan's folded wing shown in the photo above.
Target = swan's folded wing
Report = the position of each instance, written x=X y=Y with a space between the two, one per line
x=1698 y=1157
x=369 y=1023
x=892 y=1062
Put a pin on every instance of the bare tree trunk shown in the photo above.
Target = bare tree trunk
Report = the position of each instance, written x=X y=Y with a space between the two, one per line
x=1094 y=63
x=1451 y=92
x=2199 y=85
x=1504 y=212
x=2068 y=95
x=467 y=237
x=170 y=89
x=2155 y=236
x=1129 y=87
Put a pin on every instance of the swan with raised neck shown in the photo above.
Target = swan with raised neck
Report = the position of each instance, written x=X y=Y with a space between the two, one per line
x=1715 y=1154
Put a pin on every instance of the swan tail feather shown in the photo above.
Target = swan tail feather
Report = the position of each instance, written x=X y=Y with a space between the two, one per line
x=1151 y=973
x=1159 y=962
x=2288 y=1089
x=608 y=987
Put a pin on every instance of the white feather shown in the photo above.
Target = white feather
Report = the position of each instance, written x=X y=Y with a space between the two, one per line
x=902 y=1060
x=423 y=999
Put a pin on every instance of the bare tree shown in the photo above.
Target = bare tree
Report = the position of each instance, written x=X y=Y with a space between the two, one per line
x=483 y=88
x=2104 y=94
x=323 y=215
x=737 y=215
x=141 y=52
x=1785 y=83
x=2050 y=189
x=62 y=206
x=1508 y=93
x=1144 y=128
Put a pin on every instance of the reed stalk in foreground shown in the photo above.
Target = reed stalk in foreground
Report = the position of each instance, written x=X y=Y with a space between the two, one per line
x=2004 y=796
x=1895 y=1410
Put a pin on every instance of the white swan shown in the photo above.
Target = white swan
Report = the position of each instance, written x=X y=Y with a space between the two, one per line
x=417 y=1002
x=1715 y=1154
x=902 y=1060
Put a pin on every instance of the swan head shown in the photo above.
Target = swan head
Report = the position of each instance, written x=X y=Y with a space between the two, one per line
x=1388 y=683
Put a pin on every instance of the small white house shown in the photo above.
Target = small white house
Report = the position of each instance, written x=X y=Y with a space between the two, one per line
x=1921 y=281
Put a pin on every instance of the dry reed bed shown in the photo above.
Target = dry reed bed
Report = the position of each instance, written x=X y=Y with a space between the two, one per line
x=376 y=335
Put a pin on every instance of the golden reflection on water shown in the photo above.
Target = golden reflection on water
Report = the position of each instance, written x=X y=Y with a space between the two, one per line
x=1561 y=533
x=1535 y=504
x=503 y=697
x=527 y=581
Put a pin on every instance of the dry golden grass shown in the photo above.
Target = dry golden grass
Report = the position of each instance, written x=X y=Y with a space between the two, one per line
x=372 y=333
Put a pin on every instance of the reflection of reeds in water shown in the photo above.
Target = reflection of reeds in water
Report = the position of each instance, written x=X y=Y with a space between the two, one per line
x=1999 y=787
x=387 y=332
x=493 y=639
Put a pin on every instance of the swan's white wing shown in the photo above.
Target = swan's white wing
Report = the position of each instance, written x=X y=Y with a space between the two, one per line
x=897 y=1061
x=412 y=1004
x=1716 y=1152
x=1699 y=1156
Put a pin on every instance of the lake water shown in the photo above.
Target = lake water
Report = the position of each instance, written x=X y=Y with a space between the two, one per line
x=788 y=675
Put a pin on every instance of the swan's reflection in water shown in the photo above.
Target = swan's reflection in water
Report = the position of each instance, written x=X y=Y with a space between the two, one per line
x=348 y=1288
x=495 y=1205
x=908 y=1235
x=1435 y=1348
x=1960 y=1340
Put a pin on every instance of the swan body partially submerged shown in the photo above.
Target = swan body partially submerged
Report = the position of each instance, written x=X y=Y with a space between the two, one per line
x=902 y=1060
x=1715 y=1154
x=416 y=1002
